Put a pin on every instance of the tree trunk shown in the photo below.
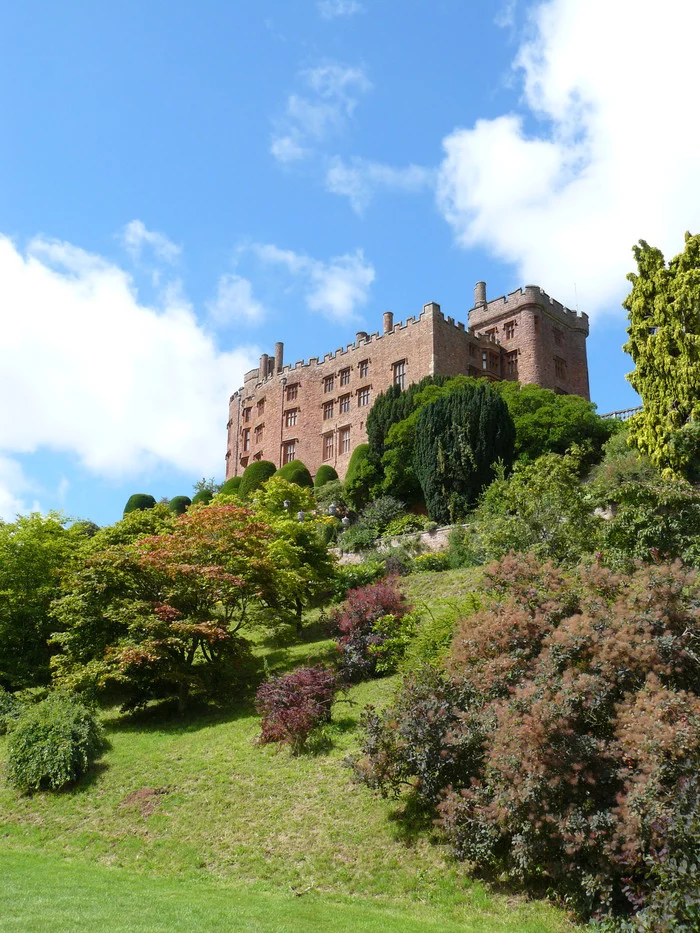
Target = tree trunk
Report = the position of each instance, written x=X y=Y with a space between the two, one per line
x=182 y=694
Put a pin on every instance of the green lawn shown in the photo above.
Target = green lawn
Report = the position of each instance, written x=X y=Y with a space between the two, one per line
x=188 y=824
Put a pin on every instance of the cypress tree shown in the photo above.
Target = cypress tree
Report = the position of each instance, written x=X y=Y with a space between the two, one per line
x=459 y=438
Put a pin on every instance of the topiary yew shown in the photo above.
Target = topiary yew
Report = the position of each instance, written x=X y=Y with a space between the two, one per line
x=296 y=472
x=362 y=474
x=203 y=497
x=139 y=502
x=232 y=486
x=324 y=474
x=179 y=505
x=254 y=475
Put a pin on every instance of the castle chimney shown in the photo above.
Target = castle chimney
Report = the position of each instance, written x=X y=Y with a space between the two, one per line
x=264 y=365
x=279 y=357
x=360 y=336
x=480 y=295
x=388 y=322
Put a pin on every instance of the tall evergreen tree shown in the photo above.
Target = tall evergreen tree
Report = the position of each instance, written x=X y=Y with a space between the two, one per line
x=459 y=437
x=664 y=342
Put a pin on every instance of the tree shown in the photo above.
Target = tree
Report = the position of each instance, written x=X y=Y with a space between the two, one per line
x=459 y=438
x=549 y=423
x=179 y=504
x=324 y=474
x=207 y=485
x=160 y=616
x=295 y=472
x=664 y=343
x=139 y=502
x=361 y=476
x=232 y=486
x=34 y=552
x=254 y=475
x=203 y=497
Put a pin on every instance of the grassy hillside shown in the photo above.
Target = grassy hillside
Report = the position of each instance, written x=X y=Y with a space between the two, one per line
x=188 y=824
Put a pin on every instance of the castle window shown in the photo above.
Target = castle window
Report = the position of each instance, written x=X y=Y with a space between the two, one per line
x=484 y=360
x=244 y=462
x=363 y=397
x=364 y=369
x=328 y=446
x=246 y=415
x=328 y=384
x=258 y=455
x=493 y=361
x=509 y=328
x=290 y=418
x=259 y=433
x=512 y=363
x=292 y=392
x=344 y=441
x=246 y=439
x=559 y=368
x=491 y=333
x=261 y=406
x=345 y=377
x=288 y=451
x=327 y=411
x=472 y=349
x=400 y=374
x=558 y=337
x=344 y=404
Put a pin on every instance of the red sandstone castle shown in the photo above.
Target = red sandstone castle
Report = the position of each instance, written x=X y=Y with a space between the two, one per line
x=315 y=411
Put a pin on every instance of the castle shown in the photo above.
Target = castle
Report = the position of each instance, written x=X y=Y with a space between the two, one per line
x=315 y=411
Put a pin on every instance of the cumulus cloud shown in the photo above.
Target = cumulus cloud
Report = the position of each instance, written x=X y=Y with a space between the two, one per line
x=610 y=89
x=135 y=236
x=336 y=288
x=331 y=96
x=234 y=301
x=93 y=372
x=360 y=179
x=332 y=9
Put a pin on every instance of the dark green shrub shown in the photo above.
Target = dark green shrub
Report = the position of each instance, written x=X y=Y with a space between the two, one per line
x=357 y=538
x=53 y=744
x=332 y=493
x=232 y=486
x=85 y=528
x=377 y=514
x=10 y=709
x=139 y=502
x=254 y=475
x=296 y=472
x=458 y=441
x=179 y=505
x=361 y=476
x=324 y=474
x=203 y=497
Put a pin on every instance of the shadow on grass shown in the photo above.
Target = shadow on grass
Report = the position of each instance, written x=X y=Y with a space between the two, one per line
x=164 y=714
x=414 y=820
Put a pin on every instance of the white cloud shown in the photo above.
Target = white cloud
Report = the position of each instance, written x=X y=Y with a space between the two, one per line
x=505 y=17
x=14 y=486
x=331 y=9
x=615 y=158
x=234 y=301
x=311 y=118
x=359 y=180
x=336 y=288
x=92 y=372
x=135 y=236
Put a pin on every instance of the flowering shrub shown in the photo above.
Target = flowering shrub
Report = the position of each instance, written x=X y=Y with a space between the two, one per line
x=293 y=705
x=565 y=734
x=360 y=632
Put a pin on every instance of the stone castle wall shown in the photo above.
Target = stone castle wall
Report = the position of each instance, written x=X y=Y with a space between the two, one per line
x=316 y=410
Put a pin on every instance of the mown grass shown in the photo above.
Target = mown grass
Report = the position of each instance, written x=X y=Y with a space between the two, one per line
x=193 y=808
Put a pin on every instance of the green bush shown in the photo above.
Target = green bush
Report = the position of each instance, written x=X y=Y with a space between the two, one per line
x=431 y=561
x=361 y=476
x=232 y=486
x=296 y=472
x=53 y=744
x=324 y=474
x=352 y=576
x=254 y=475
x=179 y=505
x=203 y=497
x=139 y=502
x=404 y=525
x=10 y=709
x=331 y=493
x=357 y=538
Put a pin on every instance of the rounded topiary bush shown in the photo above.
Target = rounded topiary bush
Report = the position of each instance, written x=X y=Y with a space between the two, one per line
x=204 y=496
x=139 y=502
x=296 y=472
x=180 y=504
x=53 y=744
x=254 y=475
x=232 y=486
x=324 y=474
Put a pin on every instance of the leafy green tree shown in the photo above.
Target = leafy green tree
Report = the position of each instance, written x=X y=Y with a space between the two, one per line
x=393 y=406
x=160 y=616
x=664 y=343
x=139 y=502
x=254 y=475
x=34 y=552
x=295 y=472
x=458 y=440
x=207 y=485
x=549 y=423
x=362 y=475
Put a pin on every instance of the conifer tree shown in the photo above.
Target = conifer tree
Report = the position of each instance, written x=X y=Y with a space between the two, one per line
x=664 y=342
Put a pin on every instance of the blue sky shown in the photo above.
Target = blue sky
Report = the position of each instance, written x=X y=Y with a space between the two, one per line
x=183 y=184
